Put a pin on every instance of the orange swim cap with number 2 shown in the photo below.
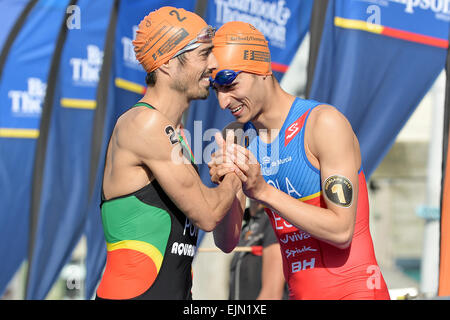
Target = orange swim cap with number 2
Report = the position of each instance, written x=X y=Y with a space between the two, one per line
x=163 y=33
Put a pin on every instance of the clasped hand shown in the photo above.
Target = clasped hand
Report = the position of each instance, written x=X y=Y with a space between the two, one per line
x=233 y=158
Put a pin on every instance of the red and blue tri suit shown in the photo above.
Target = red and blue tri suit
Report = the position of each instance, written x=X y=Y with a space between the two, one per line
x=315 y=270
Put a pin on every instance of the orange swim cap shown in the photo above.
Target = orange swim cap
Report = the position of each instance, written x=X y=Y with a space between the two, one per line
x=163 y=33
x=239 y=46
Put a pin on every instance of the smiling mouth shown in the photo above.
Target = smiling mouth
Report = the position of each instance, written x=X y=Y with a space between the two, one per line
x=205 y=78
x=236 y=109
x=206 y=75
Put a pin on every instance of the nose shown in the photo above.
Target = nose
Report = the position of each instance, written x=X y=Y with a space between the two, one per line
x=224 y=99
x=212 y=62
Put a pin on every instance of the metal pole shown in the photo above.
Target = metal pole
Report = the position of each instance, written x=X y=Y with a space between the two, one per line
x=429 y=274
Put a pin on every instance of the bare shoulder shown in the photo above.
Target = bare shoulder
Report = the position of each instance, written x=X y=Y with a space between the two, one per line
x=328 y=116
x=142 y=120
x=142 y=130
x=328 y=122
x=328 y=128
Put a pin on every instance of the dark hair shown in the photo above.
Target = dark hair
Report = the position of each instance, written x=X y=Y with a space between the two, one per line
x=150 y=79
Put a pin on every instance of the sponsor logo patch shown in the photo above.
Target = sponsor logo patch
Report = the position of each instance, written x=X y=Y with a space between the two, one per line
x=292 y=131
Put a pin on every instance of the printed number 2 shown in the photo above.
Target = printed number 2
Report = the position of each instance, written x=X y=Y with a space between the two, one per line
x=175 y=12
x=337 y=188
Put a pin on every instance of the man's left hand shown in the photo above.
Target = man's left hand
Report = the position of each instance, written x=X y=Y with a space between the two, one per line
x=253 y=183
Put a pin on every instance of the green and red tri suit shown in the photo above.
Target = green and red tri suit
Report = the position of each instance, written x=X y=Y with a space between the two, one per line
x=150 y=247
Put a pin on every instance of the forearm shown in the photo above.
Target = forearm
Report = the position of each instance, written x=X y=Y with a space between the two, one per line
x=227 y=232
x=321 y=223
x=219 y=200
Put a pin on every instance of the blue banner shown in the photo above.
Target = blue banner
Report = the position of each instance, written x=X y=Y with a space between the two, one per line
x=22 y=90
x=95 y=239
x=65 y=183
x=9 y=12
x=376 y=62
x=400 y=15
x=283 y=23
x=126 y=87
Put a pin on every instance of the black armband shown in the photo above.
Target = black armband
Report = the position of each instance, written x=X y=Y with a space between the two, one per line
x=339 y=190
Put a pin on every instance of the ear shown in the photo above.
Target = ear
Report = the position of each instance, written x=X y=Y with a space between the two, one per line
x=166 y=67
x=170 y=68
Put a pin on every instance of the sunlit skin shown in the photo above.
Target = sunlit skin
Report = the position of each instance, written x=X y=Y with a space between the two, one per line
x=131 y=160
x=333 y=149
x=325 y=148
x=177 y=84
x=254 y=94
x=239 y=94
x=193 y=77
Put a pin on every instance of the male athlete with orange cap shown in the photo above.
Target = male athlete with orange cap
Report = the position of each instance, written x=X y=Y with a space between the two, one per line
x=301 y=160
x=153 y=201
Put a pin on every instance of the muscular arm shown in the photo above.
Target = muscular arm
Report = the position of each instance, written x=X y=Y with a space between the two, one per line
x=332 y=141
x=145 y=136
x=227 y=233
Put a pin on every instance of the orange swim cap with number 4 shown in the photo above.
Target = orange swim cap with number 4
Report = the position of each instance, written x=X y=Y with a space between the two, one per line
x=239 y=46
x=164 y=32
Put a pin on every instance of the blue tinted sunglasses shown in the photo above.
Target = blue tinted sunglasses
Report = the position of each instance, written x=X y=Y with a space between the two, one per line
x=224 y=77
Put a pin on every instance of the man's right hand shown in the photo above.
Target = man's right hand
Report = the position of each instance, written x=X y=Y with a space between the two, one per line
x=221 y=163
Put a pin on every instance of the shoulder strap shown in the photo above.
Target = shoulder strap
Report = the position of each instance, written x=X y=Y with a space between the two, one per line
x=186 y=148
x=144 y=104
